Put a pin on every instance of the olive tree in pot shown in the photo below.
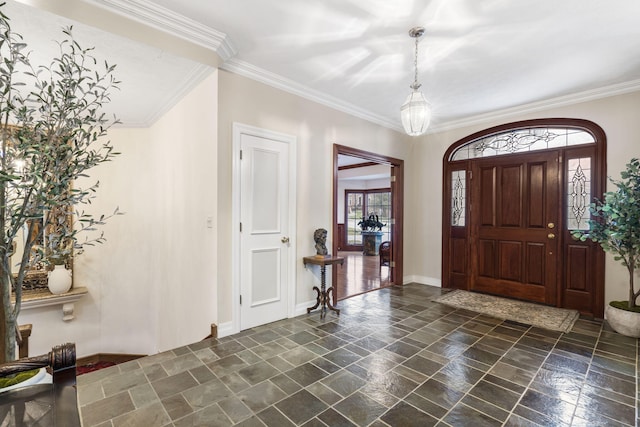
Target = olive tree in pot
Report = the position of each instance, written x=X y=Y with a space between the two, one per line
x=616 y=227
x=52 y=131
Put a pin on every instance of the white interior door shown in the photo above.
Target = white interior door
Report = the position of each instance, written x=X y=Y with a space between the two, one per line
x=264 y=236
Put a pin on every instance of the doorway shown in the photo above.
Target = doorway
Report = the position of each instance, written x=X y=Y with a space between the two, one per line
x=362 y=273
x=512 y=196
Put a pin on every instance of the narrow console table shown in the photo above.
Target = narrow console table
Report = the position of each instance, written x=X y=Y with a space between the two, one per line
x=323 y=298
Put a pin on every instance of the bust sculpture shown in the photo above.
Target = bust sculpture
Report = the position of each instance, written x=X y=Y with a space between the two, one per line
x=320 y=237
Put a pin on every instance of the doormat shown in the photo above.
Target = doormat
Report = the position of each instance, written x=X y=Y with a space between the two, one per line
x=542 y=316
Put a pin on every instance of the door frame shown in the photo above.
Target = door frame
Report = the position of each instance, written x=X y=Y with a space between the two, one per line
x=455 y=270
x=397 y=206
x=238 y=130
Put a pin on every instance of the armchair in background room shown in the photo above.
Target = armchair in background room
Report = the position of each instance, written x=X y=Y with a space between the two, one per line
x=385 y=254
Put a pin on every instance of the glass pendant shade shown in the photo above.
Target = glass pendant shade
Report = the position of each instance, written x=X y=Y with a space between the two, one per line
x=415 y=114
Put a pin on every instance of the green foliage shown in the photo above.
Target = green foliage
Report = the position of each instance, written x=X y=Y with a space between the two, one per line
x=52 y=132
x=615 y=223
x=624 y=305
x=18 y=378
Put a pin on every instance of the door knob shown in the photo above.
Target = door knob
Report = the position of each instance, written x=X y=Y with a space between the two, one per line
x=285 y=240
x=551 y=225
x=551 y=236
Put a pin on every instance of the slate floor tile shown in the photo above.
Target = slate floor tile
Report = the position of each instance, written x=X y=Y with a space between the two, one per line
x=174 y=384
x=439 y=393
x=463 y=415
x=360 y=409
x=392 y=358
x=344 y=382
x=105 y=409
x=211 y=416
x=301 y=406
x=274 y=418
x=406 y=415
x=502 y=397
x=261 y=396
x=258 y=372
x=553 y=408
x=334 y=419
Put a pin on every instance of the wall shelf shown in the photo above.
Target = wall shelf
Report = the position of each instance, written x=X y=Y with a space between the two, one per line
x=44 y=298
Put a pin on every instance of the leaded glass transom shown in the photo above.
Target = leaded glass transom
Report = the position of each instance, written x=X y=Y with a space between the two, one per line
x=522 y=141
x=458 y=198
x=578 y=193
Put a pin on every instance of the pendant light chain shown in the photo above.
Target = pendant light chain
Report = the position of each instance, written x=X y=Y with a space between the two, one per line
x=416 y=85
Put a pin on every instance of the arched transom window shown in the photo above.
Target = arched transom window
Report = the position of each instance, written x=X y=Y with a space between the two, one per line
x=522 y=141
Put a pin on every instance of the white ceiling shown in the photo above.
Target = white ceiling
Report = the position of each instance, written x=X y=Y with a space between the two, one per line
x=478 y=59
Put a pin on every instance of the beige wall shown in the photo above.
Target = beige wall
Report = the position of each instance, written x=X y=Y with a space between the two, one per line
x=317 y=128
x=617 y=115
x=152 y=284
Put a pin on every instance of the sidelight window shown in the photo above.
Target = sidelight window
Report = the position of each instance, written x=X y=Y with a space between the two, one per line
x=578 y=193
x=458 y=198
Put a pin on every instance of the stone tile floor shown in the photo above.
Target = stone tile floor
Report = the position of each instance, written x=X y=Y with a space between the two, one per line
x=392 y=358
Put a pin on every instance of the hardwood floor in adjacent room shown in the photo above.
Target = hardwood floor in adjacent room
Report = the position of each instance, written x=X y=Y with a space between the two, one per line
x=360 y=274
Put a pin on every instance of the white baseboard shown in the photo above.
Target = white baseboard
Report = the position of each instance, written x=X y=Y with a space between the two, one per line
x=225 y=329
x=422 y=280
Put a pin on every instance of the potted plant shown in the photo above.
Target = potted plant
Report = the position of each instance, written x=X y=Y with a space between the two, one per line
x=371 y=234
x=616 y=227
x=52 y=131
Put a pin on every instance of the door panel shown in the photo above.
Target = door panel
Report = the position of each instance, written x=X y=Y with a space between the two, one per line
x=264 y=216
x=513 y=201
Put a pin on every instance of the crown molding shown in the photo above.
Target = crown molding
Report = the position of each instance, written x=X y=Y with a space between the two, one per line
x=173 y=23
x=561 y=101
x=274 y=80
x=250 y=71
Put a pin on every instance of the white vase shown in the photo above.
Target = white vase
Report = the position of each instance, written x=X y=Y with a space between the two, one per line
x=59 y=280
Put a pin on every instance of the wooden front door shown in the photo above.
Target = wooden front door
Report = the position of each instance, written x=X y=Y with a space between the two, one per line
x=515 y=211
x=512 y=195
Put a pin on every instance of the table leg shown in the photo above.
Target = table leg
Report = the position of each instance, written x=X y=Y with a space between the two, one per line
x=333 y=294
x=324 y=295
x=318 y=300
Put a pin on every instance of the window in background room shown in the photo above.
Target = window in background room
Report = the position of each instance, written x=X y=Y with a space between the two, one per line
x=362 y=203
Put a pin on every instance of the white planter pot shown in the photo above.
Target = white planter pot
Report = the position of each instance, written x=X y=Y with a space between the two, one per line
x=42 y=377
x=622 y=321
x=59 y=280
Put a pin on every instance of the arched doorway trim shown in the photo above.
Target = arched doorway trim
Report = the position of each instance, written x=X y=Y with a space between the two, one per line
x=560 y=160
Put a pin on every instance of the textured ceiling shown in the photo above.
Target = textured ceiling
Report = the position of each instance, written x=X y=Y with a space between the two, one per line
x=477 y=58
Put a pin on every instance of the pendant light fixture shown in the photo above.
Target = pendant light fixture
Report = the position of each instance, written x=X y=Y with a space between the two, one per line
x=416 y=111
